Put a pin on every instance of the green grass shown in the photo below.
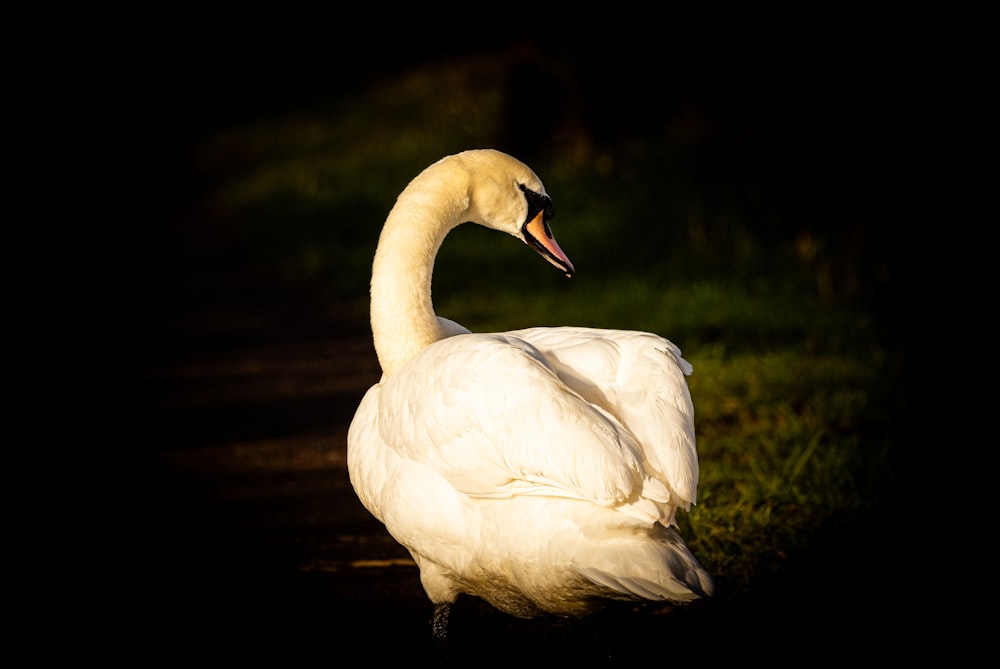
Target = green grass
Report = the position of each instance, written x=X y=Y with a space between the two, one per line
x=788 y=326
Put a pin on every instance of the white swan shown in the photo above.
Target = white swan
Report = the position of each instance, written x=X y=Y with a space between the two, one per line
x=537 y=469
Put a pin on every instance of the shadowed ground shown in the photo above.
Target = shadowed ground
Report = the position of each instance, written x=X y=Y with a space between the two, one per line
x=249 y=541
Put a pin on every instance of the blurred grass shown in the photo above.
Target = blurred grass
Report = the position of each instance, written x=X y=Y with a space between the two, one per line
x=789 y=323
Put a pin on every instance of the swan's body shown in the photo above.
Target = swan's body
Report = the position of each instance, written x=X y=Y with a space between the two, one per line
x=538 y=469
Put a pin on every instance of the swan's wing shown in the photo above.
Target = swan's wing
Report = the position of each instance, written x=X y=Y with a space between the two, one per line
x=488 y=414
x=639 y=378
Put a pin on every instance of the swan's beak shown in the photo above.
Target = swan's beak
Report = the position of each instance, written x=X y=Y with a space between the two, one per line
x=538 y=235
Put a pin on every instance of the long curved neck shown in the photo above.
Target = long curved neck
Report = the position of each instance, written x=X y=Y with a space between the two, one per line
x=402 y=313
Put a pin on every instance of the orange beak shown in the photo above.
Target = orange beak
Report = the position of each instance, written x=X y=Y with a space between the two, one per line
x=538 y=235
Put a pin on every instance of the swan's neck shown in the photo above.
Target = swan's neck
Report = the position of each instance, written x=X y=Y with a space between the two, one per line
x=402 y=313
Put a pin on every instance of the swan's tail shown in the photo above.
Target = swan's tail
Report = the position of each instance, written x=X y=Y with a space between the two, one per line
x=664 y=570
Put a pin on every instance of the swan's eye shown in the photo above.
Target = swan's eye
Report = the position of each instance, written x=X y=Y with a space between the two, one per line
x=537 y=202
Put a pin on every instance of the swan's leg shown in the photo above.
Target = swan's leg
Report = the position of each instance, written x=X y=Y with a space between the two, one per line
x=439 y=625
x=439 y=629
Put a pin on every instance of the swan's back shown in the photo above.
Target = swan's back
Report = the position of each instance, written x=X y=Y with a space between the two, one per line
x=640 y=378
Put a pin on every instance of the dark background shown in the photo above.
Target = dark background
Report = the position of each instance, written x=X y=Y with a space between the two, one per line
x=815 y=108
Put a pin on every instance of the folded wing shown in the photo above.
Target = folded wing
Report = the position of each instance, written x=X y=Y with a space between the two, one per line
x=595 y=415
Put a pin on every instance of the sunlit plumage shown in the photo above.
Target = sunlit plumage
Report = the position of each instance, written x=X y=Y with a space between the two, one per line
x=537 y=469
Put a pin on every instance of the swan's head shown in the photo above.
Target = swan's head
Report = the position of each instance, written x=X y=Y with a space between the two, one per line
x=507 y=196
x=535 y=230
